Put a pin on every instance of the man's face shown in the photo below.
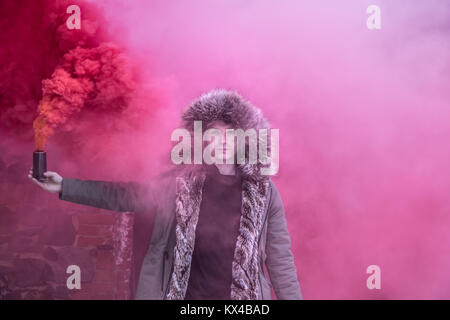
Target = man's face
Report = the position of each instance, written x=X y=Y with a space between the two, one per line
x=222 y=146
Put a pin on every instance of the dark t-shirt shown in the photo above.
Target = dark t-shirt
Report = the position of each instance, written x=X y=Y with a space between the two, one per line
x=215 y=237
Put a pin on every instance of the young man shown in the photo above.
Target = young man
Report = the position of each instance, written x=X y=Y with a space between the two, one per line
x=216 y=226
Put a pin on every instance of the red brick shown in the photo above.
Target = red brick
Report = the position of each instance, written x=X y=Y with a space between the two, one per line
x=86 y=241
x=80 y=296
x=104 y=276
x=124 y=267
x=93 y=296
x=122 y=276
x=106 y=265
x=95 y=230
x=105 y=260
x=96 y=218
x=100 y=290
x=122 y=291
x=104 y=254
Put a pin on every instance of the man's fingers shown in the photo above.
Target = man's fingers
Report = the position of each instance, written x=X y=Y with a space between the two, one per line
x=51 y=174
x=40 y=184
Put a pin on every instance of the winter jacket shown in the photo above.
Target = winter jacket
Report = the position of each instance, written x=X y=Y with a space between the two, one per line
x=173 y=201
x=159 y=200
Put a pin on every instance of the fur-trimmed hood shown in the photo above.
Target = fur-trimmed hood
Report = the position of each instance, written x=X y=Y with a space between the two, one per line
x=230 y=107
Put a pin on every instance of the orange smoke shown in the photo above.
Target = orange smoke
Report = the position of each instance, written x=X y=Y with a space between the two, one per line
x=97 y=78
x=41 y=128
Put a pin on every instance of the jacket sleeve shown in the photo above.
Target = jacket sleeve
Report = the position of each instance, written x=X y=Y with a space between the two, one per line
x=280 y=260
x=117 y=196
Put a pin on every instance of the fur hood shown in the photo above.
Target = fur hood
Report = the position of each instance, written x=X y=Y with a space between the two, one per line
x=230 y=107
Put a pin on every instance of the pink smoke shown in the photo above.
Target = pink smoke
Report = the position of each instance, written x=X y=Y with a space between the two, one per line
x=363 y=118
x=74 y=85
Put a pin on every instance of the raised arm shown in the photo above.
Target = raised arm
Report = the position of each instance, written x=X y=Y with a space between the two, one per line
x=116 y=196
x=280 y=260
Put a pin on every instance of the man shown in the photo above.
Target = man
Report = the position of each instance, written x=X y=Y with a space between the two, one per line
x=216 y=226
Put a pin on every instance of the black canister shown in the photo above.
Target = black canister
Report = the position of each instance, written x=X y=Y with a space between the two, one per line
x=39 y=165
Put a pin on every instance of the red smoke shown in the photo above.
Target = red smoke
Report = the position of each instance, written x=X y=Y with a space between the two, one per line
x=84 y=87
x=363 y=117
x=34 y=39
x=82 y=84
x=96 y=78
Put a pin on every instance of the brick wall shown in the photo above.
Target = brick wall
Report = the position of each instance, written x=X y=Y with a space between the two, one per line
x=40 y=236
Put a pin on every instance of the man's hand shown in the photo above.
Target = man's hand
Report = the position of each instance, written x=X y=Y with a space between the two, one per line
x=53 y=183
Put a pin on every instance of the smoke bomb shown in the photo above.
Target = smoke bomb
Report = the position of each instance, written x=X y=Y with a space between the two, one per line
x=39 y=165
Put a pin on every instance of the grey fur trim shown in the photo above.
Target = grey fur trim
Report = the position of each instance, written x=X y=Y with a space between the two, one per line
x=230 y=107
x=245 y=266
x=189 y=196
